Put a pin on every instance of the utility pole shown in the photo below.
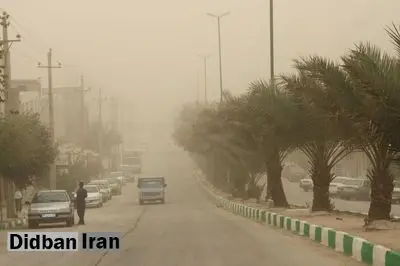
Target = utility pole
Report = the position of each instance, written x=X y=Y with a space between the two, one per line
x=53 y=171
x=84 y=115
x=271 y=41
x=100 y=136
x=219 y=17
x=205 y=57
x=11 y=102
x=197 y=90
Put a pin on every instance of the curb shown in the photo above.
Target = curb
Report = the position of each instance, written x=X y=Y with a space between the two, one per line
x=352 y=246
x=17 y=223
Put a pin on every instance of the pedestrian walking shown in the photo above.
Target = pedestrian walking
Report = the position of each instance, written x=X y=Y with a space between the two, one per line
x=18 y=200
x=81 y=195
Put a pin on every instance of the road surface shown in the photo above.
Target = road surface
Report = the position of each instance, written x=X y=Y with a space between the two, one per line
x=187 y=231
x=297 y=196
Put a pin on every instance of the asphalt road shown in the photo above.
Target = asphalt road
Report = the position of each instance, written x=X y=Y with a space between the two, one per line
x=188 y=230
x=297 y=196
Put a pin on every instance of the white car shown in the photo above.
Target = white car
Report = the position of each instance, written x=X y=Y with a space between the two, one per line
x=396 y=192
x=336 y=183
x=94 y=197
x=105 y=188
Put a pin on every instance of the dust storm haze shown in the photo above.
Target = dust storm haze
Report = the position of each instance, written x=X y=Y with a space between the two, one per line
x=145 y=52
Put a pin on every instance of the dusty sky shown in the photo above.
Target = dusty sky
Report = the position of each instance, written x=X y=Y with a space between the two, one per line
x=145 y=51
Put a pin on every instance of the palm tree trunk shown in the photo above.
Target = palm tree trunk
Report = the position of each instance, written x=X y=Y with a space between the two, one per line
x=321 y=175
x=274 y=180
x=381 y=185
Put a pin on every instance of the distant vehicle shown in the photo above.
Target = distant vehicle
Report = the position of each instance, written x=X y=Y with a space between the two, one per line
x=306 y=184
x=50 y=206
x=127 y=175
x=292 y=172
x=355 y=189
x=115 y=184
x=336 y=183
x=94 y=197
x=132 y=164
x=396 y=192
x=105 y=188
x=151 y=189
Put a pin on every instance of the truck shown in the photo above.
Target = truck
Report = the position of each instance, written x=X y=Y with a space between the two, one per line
x=131 y=161
x=151 y=189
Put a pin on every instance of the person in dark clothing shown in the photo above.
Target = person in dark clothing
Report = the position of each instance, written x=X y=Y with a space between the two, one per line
x=81 y=195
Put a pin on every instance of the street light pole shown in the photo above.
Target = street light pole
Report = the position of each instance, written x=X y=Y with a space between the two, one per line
x=271 y=40
x=205 y=57
x=219 y=17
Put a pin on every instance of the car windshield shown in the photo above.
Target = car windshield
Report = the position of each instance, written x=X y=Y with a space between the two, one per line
x=91 y=189
x=116 y=174
x=131 y=161
x=50 y=196
x=151 y=184
x=101 y=184
x=353 y=182
x=112 y=180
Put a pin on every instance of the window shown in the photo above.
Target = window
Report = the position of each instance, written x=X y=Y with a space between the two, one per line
x=91 y=189
x=50 y=196
x=151 y=184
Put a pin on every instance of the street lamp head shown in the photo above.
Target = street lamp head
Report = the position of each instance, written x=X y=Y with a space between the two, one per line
x=59 y=64
x=18 y=36
x=211 y=15
x=224 y=14
x=39 y=64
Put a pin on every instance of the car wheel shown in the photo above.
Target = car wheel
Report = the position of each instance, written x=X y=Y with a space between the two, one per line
x=163 y=201
x=32 y=225
x=141 y=202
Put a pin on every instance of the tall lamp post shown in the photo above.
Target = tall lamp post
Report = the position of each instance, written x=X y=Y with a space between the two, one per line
x=218 y=17
x=205 y=57
x=271 y=40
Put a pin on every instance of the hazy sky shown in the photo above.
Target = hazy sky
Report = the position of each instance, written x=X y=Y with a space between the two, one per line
x=145 y=51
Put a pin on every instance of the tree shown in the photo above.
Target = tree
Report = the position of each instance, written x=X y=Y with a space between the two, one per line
x=273 y=116
x=319 y=137
x=365 y=72
x=26 y=148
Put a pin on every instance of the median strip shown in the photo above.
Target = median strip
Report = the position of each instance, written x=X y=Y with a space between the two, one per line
x=353 y=246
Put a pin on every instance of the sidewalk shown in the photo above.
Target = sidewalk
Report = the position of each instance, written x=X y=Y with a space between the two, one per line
x=21 y=221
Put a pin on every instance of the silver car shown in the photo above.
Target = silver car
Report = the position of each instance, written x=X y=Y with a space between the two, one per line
x=50 y=206
x=105 y=188
x=94 y=197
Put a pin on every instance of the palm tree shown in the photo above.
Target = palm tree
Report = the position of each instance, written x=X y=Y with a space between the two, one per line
x=318 y=137
x=356 y=87
x=273 y=116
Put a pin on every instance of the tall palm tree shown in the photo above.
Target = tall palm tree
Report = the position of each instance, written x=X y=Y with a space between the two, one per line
x=365 y=72
x=273 y=117
x=318 y=137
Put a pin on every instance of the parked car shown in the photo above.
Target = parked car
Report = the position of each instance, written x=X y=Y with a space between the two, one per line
x=50 y=206
x=115 y=184
x=306 y=184
x=335 y=184
x=94 y=197
x=355 y=189
x=105 y=188
x=396 y=193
